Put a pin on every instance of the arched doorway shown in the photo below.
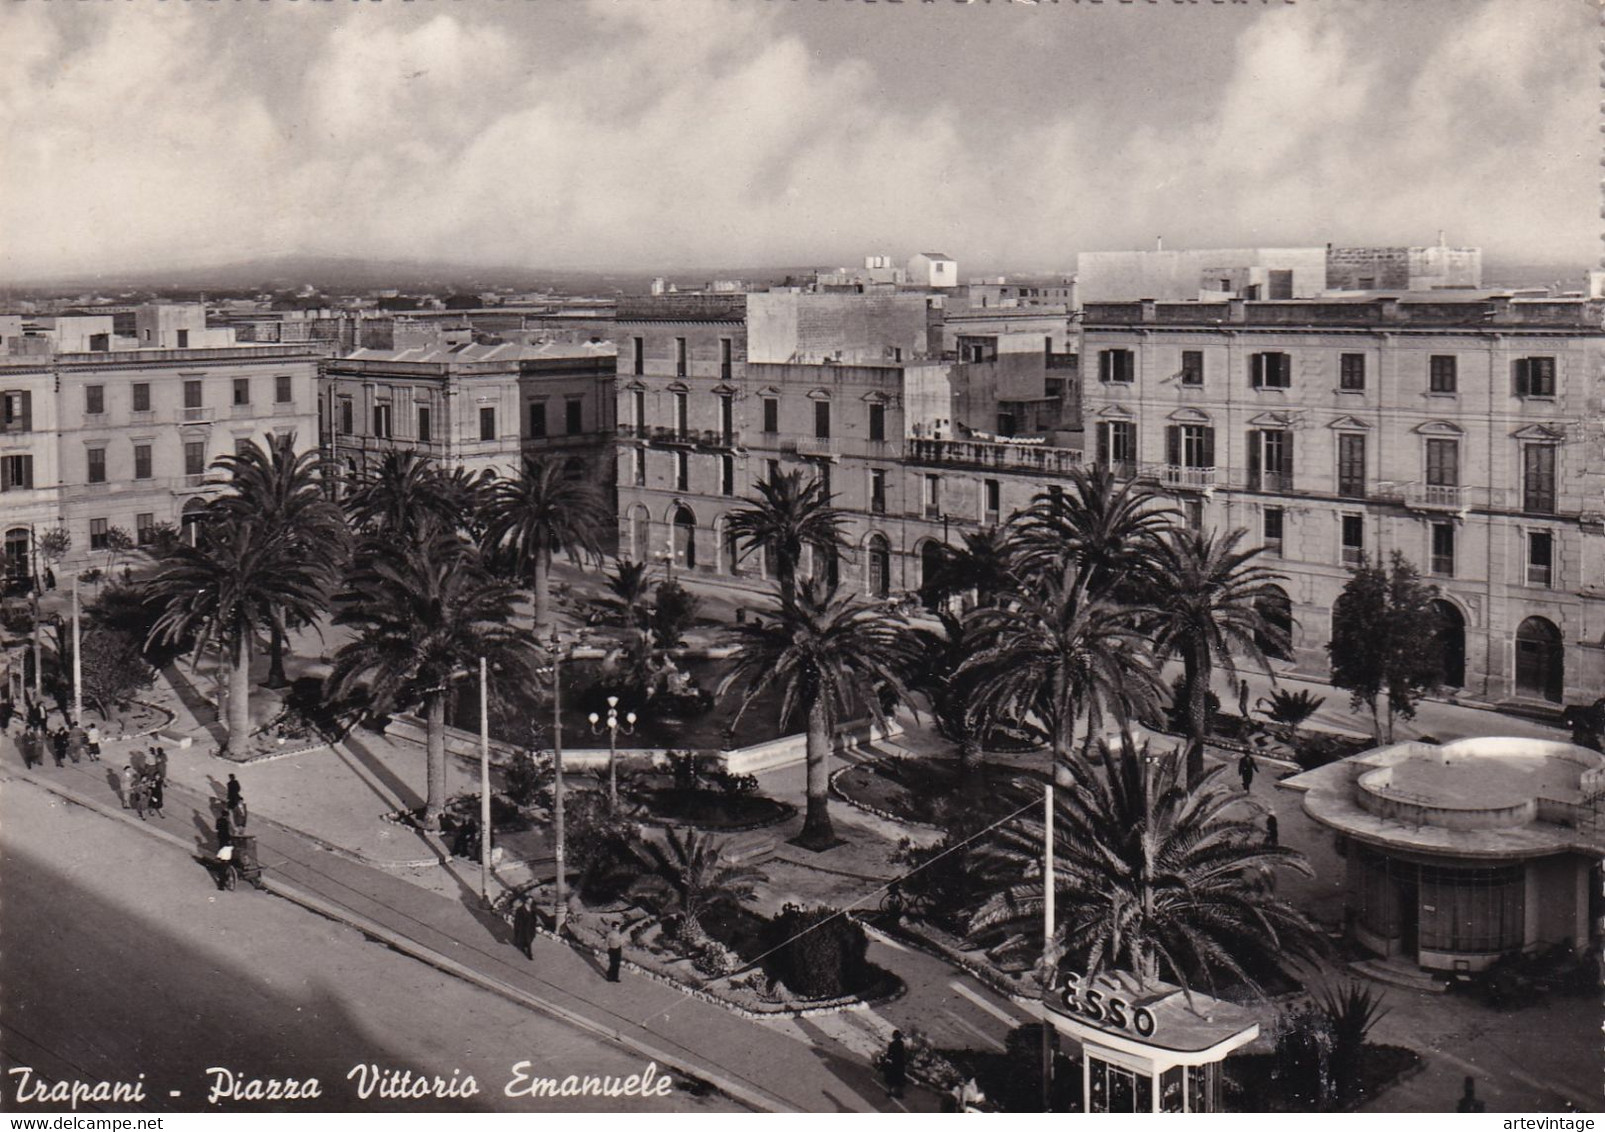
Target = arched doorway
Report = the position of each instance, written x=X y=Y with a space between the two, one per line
x=932 y=555
x=685 y=538
x=1451 y=644
x=878 y=567
x=1276 y=608
x=1540 y=660
x=19 y=560
x=730 y=549
x=640 y=535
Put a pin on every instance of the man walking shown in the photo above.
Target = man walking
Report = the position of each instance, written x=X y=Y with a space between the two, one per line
x=153 y=795
x=1245 y=771
x=1242 y=698
x=58 y=746
x=524 y=927
x=233 y=792
x=1271 y=832
x=615 y=951
x=896 y=1066
x=92 y=737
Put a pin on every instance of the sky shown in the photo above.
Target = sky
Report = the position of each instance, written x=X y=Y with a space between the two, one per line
x=654 y=134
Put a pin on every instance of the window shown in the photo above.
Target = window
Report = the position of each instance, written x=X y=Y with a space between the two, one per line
x=97 y=465
x=933 y=497
x=1442 y=559
x=877 y=421
x=487 y=423
x=94 y=399
x=347 y=426
x=1353 y=539
x=99 y=534
x=1270 y=371
x=283 y=388
x=574 y=416
x=1442 y=373
x=16 y=411
x=682 y=471
x=772 y=469
x=1535 y=377
x=1351 y=465
x=639 y=354
x=1117 y=366
x=426 y=431
x=381 y=420
x=1193 y=514
x=640 y=467
x=183 y=339
x=681 y=414
x=141 y=396
x=1540 y=558
x=771 y=414
x=242 y=445
x=1117 y=446
x=1538 y=478
x=144 y=528
x=638 y=399
x=1270 y=459
x=821 y=420
x=142 y=461
x=1443 y=462
x=727 y=474
x=877 y=491
x=992 y=500
x=1273 y=530
x=680 y=357
x=194 y=457
x=1351 y=372
x=537 y=418
x=242 y=391
x=1192 y=367
x=1190 y=446
x=192 y=395
x=725 y=354
x=727 y=420
x=16 y=473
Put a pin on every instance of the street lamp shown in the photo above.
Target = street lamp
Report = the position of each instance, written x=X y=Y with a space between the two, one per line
x=560 y=913
x=613 y=745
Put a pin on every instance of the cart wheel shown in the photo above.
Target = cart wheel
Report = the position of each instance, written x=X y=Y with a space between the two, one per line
x=231 y=877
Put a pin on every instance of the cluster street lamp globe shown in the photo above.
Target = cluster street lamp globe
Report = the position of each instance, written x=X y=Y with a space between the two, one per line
x=612 y=724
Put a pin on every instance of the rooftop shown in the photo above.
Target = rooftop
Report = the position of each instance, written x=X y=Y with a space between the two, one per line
x=1494 y=313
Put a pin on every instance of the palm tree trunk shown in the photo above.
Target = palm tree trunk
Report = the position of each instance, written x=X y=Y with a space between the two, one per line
x=817 y=832
x=239 y=694
x=1195 y=670
x=435 y=759
x=276 y=677
x=542 y=589
x=1061 y=744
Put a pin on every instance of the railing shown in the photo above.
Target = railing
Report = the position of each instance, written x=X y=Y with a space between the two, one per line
x=1003 y=457
x=241 y=411
x=1270 y=481
x=1182 y=476
x=663 y=434
x=1428 y=496
x=818 y=446
x=198 y=413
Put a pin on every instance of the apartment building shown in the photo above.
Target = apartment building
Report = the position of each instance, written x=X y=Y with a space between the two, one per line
x=472 y=404
x=718 y=392
x=1466 y=433
x=103 y=431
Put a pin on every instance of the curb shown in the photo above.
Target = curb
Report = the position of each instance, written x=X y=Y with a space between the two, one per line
x=738 y=1090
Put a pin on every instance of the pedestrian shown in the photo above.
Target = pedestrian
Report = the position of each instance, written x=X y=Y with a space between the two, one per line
x=92 y=737
x=77 y=741
x=524 y=927
x=615 y=951
x=50 y=578
x=1468 y=1099
x=1245 y=771
x=58 y=746
x=895 y=1066
x=7 y=709
x=29 y=742
x=161 y=763
x=233 y=791
x=238 y=814
x=137 y=797
x=129 y=779
x=153 y=797
x=1271 y=832
x=968 y=1096
x=1242 y=698
x=225 y=836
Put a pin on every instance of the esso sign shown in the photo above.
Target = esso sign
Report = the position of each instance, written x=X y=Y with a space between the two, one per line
x=1104 y=1009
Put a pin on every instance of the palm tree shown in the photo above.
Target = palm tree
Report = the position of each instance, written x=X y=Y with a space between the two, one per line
x=426 y=611
x=689 y=877
x=829 y=655
x=406 y=492
x=1206 y=598
x=284 y=493
x=541 y=512
x=1107 y=526
x=983 y=564
x=1152 y=877
x=235 y=578
x=949 y=686
x=1059 y=654
x=630 y=587
x=787 y=516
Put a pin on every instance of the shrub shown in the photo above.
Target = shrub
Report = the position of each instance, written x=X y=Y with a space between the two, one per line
x=1303 y=1057
x=601 y=846
x=1322 y=748
x=1350 y=1014
x=529 y=777
x=818 y=952
x=1292 y=708
x=673 y=612
x=715 y=959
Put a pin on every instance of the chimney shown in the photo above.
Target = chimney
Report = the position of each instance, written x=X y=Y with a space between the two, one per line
x=1159 y=243
x=1388 y=309
x=1150 y=310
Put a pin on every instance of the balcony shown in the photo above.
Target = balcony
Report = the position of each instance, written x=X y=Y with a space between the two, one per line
x=238 y=411
x=1181 y=477
x=1424 y=496
x=674 y=437
x=818 y=447
x=1277 y=482
x=995 y=456
x=197 y=413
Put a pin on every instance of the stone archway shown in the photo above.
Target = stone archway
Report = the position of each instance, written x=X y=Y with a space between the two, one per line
x=191 y=520
x=877 y=566
x=685 y=538
x=1540 y=660
x=1451 y=643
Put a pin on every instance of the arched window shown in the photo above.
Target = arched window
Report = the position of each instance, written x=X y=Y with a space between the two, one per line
x=1540 y=660
x=1451 y=644
x=878 y=567
x=685 y=538
x=18 y=561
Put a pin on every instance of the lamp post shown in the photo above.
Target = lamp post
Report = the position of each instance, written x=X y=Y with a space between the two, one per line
x=612 y=725
x=77 y=659
x=484 y=783
x=560 y=913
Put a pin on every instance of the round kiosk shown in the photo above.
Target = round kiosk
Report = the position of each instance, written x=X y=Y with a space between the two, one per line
x=1147 y=1047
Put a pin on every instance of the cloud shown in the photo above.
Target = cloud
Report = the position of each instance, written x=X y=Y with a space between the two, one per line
x=716 y=133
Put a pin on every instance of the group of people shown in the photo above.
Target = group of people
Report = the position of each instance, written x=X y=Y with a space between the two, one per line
x=145 y=783
x=38 y=741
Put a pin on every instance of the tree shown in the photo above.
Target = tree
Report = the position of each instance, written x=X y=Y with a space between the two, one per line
x=1061 y=655
x=1106 y=526
x=1383 y=641
x=788 y=516
x=687 y=876
x=119 y=545
x=219 y=590
x=1207 y=596
x=53 y=545
x=284 y=494
x=112 y=668
x=406 y=493
x=630 y=590
x=828 y=655
x=982 y=564
x=1151 y=876
x=426 y=611
x=950 y=687
x=540 y=513
x=674 y=611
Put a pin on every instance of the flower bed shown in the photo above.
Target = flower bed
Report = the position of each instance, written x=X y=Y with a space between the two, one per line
x=711 y=809
x=927 y=792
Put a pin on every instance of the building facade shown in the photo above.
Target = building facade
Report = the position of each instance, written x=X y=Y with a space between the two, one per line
x=1175 y=276
x=1467 y=435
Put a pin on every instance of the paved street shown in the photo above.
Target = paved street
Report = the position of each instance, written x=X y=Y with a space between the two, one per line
x=120 y=957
